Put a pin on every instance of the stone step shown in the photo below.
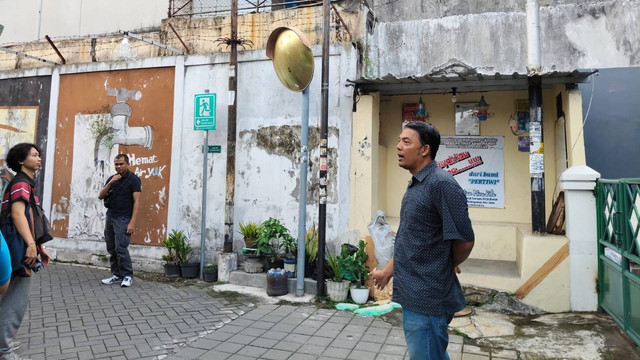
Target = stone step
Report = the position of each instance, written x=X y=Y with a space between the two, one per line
x=493 y=274
x=259 y=280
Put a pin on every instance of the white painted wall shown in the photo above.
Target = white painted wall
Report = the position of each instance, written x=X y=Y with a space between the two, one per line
x=77 y=18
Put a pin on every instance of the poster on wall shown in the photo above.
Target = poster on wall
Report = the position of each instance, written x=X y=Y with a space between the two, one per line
x=467 y=122
x=477 y=163
x=409 y=113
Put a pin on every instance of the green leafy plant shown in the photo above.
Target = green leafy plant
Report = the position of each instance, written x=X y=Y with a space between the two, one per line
x=337 y=265
x=250 y=231
x=355 y=265
x=178 y=247
x=273 y=235
x=311 y=244
x=101 y=128
x=211 y=267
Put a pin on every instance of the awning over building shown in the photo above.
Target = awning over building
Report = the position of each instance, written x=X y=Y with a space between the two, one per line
x=390 y=85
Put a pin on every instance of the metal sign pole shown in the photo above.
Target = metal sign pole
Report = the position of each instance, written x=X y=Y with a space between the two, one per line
x=302 y=213
x=203 y=225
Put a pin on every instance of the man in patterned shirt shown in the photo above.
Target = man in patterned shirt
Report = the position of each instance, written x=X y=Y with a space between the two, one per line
x=434 y=237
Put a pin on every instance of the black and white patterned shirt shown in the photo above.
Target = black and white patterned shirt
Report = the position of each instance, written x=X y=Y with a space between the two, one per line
x=434 y=213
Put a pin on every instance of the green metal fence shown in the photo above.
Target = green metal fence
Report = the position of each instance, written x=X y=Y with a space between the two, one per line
x=618 y=212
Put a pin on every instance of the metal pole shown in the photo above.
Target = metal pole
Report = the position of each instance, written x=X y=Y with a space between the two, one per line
x=536 y=155
x=302 y=213
x=536 y=145
x=203 y=224
x=324 y=124
x=39 y=21
x=231 y=132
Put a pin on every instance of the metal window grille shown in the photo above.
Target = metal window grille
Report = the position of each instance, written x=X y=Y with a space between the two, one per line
x=209 y=8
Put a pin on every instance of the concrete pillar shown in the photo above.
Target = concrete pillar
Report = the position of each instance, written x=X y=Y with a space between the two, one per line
x=364 y=168
x=227 y=262
x=578 y=183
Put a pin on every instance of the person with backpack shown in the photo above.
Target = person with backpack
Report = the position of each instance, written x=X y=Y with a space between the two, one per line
x=121 y=195
x=18 y=229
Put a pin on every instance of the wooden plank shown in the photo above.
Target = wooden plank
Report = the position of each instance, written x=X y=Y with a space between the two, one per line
x=543 y=272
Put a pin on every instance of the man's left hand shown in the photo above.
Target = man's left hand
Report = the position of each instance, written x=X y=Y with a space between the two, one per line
x=130 y=229
x=457 y=270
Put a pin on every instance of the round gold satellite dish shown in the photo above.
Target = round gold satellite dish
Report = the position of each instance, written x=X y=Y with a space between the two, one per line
x=292 y=57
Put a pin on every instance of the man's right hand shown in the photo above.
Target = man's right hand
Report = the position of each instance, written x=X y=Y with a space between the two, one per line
x=115 y=178
x=381 y=277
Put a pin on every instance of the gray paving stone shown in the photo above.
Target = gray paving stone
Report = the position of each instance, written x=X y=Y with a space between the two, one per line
x=287 y=346
x=466 y=356
x=264 y=343
x=297 y=356
x=362 y=355
x=191 y=353
x=297 y=338
x=241 y=339
x=336 y=353
x=229 y=347
x=311 y=349
x=253 y=351
x=368 y=346
x=274 y=354
x=393 y=349
x=320 y=341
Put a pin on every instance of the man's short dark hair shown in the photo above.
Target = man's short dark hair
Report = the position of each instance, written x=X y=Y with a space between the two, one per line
x=428 y=134
x=123 y=157
x=18 y=153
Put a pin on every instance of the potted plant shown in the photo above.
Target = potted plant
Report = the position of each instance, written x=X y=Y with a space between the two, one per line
x=311 y=250
x=337 y=285
x=356 y=270
x=269 y=244
x=250 y=231
x=210 y=272
x=172 y=262
x=183 y=252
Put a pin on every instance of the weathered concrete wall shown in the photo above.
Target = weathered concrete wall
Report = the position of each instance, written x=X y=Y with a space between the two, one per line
x=76 y=18
x=575 y=35
x=389 y=11
x=199 y=34
x=267 y=161
x=24 y=113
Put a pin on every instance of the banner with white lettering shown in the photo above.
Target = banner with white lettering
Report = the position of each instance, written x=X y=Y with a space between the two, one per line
x=477 y=163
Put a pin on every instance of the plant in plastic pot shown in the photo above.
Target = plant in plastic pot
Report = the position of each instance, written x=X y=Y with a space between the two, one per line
x=337 y=285
x=210 y=272
x=356 y=270
x=172 y=262
x=250 y=231
x=273 y=237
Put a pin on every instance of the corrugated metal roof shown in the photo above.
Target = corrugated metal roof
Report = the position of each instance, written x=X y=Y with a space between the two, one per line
x=390 y=85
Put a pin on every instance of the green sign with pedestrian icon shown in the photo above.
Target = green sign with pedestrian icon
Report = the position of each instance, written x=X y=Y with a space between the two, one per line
x=204 y=113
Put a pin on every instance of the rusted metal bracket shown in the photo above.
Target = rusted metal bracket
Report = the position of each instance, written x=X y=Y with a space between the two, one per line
x=149 y=41
x=342 y=22
x=179 y=38
x=56 y=49
x=21 y=54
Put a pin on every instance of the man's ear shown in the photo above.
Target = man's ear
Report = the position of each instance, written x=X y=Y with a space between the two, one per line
x=426 y=150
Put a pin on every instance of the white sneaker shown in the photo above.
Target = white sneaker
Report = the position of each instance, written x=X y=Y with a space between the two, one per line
x=15 y=345
x=126 y=282
x=110 y=281
x=12 y=356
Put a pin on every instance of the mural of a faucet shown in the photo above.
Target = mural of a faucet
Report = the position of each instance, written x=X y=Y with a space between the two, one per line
x=121 y=133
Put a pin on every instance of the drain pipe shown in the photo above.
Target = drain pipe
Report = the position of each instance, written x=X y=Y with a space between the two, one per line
x=39 y=21
x=536 y=148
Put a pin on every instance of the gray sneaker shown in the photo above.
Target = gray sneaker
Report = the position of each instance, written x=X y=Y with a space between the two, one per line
x=15 y=345
x=126 y=282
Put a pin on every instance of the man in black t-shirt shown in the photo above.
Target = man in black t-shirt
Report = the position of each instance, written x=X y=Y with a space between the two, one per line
x=121 y=194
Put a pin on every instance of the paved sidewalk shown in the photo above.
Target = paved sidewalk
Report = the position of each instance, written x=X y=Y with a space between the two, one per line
x=72 y=315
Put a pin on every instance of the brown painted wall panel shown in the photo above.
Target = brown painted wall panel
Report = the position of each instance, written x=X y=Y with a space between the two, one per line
x=87 y=138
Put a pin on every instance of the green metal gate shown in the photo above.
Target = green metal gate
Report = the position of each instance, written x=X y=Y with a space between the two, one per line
x=618 y=211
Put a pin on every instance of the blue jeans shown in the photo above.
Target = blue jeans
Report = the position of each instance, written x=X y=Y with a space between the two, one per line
x=426 y=336
x=117 y=239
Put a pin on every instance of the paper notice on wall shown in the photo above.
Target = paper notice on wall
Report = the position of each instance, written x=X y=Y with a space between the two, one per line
x=536 y=163
x=477 y=163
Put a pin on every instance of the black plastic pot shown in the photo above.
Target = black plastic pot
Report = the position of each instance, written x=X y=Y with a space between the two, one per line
x=171 y=271
x=278 y=264
x=190 y=270
x=210 y=275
